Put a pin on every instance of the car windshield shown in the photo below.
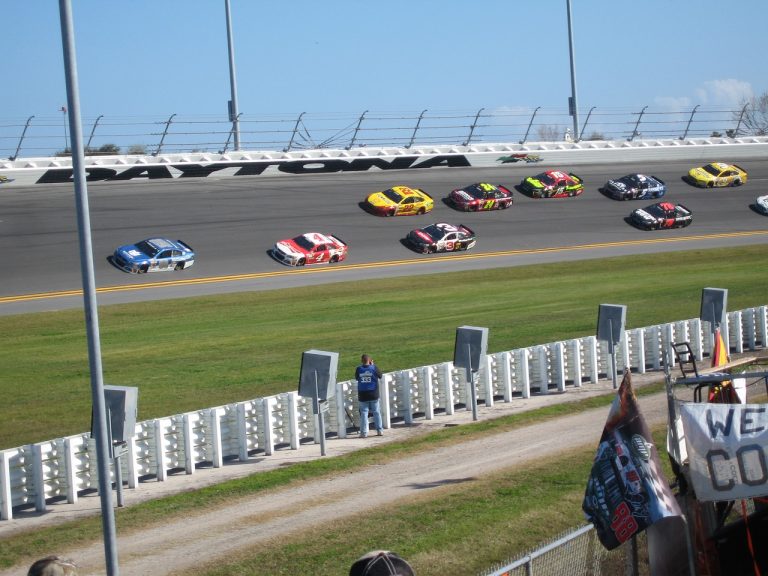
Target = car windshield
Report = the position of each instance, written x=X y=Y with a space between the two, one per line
x=396 y=197
x=303 y=243
x=714 y=170
x=146 y=248
x=475 y=191
x=546 y=178
x=433 y=231
x=657 y=211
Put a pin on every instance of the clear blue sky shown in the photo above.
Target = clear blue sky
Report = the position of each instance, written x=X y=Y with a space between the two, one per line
x=157 y=57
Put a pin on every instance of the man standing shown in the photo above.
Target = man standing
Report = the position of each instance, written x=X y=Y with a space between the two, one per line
x=367 y=376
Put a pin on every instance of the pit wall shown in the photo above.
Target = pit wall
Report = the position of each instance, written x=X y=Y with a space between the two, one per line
x=36 y=171
x=64 y=468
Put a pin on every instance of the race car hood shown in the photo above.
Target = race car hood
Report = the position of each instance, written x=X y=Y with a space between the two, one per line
x=289 y=248
x=617 y=184
x=643 y=215
x=378 y=199
x=132 y=254
x=462 y=196
x=534 y=182
x=422 y=236
x=700 y=174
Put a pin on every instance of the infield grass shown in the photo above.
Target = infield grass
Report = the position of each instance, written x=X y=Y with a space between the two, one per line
x=194 y=353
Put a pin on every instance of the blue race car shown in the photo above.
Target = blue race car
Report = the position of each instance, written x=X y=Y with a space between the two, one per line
x=154 y=255
x=635 y=187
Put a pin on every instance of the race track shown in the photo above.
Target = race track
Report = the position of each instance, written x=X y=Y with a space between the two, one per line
x=232 y=222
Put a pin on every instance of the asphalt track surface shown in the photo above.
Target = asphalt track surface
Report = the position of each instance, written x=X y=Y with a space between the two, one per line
x=233 y=222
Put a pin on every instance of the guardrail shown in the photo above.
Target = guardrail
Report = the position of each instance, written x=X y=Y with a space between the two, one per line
x=32 y=475
x=32 y=171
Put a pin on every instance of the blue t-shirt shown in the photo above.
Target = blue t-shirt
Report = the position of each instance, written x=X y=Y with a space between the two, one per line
x=367 y=377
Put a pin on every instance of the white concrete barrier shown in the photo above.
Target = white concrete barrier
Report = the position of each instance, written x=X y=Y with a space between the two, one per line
x=35 y=171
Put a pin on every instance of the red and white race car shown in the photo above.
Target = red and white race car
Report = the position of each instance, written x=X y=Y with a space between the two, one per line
x=310 y=248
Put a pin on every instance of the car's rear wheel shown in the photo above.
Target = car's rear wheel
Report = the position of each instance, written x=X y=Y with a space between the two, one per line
x=710 y=184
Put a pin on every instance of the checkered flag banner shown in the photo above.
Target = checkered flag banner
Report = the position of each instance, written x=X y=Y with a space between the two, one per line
x=626 y=491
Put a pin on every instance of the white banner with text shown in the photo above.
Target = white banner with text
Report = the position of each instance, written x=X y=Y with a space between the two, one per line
x=727 y=449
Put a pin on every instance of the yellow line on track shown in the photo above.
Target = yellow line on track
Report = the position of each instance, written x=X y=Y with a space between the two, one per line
x=384 y=264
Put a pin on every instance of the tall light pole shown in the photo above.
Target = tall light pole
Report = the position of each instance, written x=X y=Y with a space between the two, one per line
x=573 y=108
x=234 y=115
x=89 y=289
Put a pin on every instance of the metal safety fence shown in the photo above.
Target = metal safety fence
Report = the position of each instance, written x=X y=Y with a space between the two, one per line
x=577 y=553
x=46 y=136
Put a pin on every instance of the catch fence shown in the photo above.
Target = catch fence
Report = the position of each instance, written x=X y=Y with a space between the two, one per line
x=46 y=136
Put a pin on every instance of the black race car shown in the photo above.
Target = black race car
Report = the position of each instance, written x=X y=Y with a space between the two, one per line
x=441 y=237
x=481 y=196
x=634 y=187
x=661 y=215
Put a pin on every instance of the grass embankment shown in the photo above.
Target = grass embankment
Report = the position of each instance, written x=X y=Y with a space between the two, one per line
x=185 y=355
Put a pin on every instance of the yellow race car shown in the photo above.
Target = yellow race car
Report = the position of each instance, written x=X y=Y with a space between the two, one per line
x=716 y=175
x=399 y=201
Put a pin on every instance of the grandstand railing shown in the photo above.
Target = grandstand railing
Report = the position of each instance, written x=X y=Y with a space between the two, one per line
x=61 y=469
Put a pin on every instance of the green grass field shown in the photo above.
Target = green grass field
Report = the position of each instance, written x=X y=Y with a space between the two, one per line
x=194 y=353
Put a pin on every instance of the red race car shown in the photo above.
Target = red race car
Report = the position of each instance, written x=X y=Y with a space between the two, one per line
x=310 y=248
x=481 y=196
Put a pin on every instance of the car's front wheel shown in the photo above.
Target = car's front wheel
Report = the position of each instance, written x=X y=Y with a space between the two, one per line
x=179 y=266
x=737 y=182
x=301 y=262
x=334 y=259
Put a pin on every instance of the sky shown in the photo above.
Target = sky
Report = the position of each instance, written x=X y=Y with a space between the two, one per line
x=158 y=57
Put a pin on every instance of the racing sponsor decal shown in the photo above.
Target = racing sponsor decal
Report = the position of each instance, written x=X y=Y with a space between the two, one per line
x=255 y=168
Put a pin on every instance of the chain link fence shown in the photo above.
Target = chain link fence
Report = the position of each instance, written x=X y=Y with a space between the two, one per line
x=579 y=553
x=45 y=136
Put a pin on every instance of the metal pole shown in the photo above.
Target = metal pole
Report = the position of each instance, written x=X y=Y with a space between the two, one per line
x=357 y=129
x=471 y=381
x=234 y=115
x=89 y=289
x=295 y=129
x=229 y=137
x=689 y=122
x=162 y=138
x=637 y=124
x=574 y=108
x=416 y=129
x=66 y=138
x=529 y=125
x=581 y=135
x=613 y=355
x=472 y=129
x=319 y=412
x=88 y=146
x=741 y=117
x=23 y=133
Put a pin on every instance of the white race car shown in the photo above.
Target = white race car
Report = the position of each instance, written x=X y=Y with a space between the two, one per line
x=761 y=204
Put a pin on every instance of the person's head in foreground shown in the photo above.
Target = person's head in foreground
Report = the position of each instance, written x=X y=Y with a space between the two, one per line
x=53 y=566
x=381 y=563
